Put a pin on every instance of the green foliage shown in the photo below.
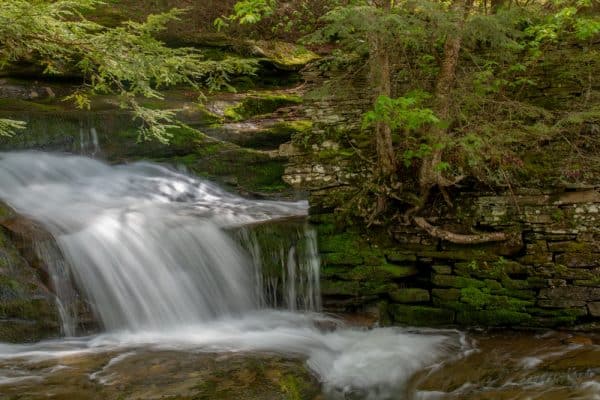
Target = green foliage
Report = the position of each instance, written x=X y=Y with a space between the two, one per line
x=126 y=60
x=355 y=26
x=9 y=126
x=247 y=12
x=402 y=113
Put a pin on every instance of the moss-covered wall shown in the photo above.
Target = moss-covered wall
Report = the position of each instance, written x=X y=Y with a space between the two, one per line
x=548 y=276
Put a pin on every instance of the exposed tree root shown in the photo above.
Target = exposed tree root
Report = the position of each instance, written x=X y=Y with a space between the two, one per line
x=460 y=238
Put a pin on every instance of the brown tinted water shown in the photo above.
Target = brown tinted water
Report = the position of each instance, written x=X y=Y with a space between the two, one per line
x=496 y=366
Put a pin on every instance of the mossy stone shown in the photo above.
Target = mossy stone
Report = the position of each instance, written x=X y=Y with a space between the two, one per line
x=445 y=294
x=455 y=281
x=501 y=317
x=260 y=104
x=341 y=259
x=397 y=257
x=410 y=295
x=421 y=315
x=339 y=288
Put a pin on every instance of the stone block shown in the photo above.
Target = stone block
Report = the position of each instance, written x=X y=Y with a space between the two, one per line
x=410 y=295
x=578 y=260
x=571 y=294
x=536 y=259
x=421 y=315
x=339 y=288
x=560 y=303
x=594 y=308
x=446 y=294
x=517 y=284
x=574 y=247
x=400 y=257
x=442 y=269
x=502 y=317
x=455 y=281
x=341 y=259
x=537 y=282
x=399 y=271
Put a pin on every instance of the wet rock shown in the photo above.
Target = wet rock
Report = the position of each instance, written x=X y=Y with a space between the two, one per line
x=421 y=315
x=446 y=294
x=455 y=281
x=410 y=295
x=442 y=269
x=28 y=309
x=571 y=294
x=579 y=340
x=579 y=260
x=594 y=309
x=168 y=375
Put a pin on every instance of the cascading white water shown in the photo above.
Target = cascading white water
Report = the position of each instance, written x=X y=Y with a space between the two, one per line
x=286 y=263
x=146 y=244
x=153 y=252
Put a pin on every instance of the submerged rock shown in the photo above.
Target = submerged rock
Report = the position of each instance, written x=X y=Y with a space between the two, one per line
x=163 y=375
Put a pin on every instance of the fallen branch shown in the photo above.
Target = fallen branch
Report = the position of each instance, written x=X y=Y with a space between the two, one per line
x=460 y=238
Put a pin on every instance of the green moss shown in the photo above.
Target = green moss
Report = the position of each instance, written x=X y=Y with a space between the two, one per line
x=459 y=255
x=342 y=259
x=373 y=288
x=260 y=104
x=410 y=295
x=515 y=284
x=421 y=315
x=293 y=127
x=340 y=288
x=500 y=317
x=290 y=386
x=492 y=285
x=474 y=297
x=556 y=318
x=252 y=171
x=399 y=271
x=455 y=281
x=446 y=294
x=518 y=294
x=341 y=243
x=270 y=137
x=5 y=212
x=483 y=298
x=442 y=269
x=26 y=106
x=286 y=56
x=398 y=257
x=383 y=273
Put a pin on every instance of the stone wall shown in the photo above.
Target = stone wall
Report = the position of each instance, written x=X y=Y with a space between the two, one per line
x=548 y=276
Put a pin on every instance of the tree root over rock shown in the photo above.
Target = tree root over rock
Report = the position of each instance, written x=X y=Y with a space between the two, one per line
x=461 y=238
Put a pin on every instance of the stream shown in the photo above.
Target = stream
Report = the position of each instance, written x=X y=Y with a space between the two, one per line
x=177 y=279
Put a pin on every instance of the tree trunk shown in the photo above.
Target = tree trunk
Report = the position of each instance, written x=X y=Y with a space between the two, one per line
x=383 y=135
x=381 y=73
x=430 y=175
x=497 y=5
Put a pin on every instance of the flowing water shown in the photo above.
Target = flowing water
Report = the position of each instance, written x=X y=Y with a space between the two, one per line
x=190 y=286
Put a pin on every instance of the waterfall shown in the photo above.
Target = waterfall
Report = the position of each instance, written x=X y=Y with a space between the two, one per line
x=149 y=248
x=62 y=284
x=168 y=261
x=286 y=262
